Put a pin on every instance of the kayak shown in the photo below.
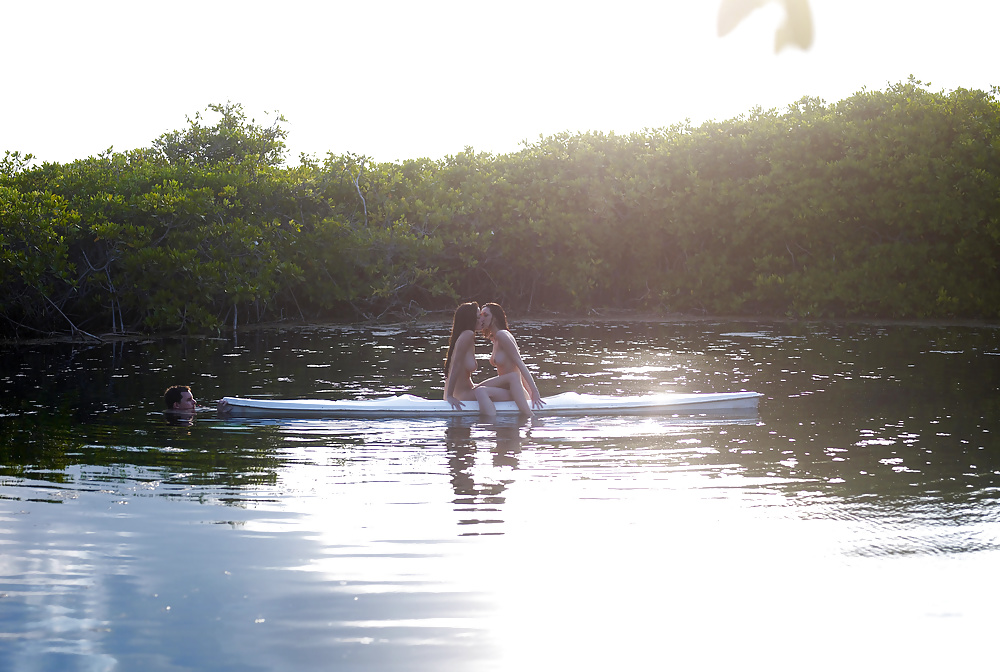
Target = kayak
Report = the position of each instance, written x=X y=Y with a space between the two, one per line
x=567 y=403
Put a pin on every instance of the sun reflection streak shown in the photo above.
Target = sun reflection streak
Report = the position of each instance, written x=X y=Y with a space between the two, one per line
x=633 y=587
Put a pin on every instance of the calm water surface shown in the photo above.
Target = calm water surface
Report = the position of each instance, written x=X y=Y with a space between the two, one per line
x=852 y=523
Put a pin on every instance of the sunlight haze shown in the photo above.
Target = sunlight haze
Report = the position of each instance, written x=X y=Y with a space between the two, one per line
x=402 y=80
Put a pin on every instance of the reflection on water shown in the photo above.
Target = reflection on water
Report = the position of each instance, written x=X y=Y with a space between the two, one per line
x=852 y=523
x=481 y=501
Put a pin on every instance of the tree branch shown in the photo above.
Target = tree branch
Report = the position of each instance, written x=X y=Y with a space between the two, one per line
x=73 y=328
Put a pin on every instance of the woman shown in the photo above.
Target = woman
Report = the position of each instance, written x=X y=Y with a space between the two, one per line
x=460 y=364
x=461 y=360
x=512 y=374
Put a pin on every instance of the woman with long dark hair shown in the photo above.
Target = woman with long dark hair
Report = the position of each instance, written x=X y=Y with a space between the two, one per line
x=512 y=375
x=460 y=364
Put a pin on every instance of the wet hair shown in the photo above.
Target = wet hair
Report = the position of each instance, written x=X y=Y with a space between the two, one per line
x=173 y=394
x=465 y=319
x=499 y=317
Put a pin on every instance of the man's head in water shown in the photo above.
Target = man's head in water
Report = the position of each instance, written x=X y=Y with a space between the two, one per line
x=179 y=398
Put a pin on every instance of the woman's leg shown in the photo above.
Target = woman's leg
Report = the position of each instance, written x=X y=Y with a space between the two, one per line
x=508 y=387
x=486 y=405
x=511 y=382
x=498 y=382
x=505 y=383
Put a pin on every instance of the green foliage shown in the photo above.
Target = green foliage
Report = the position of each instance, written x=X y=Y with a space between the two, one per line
x=232 y=139
x=884 y=204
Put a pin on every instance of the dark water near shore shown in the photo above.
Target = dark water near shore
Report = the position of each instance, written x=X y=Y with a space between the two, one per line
x=852 y=523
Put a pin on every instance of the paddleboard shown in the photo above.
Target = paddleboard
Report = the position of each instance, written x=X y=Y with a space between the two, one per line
x=567 y=403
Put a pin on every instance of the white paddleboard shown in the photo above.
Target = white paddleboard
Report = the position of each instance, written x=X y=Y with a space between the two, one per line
x=567 y=403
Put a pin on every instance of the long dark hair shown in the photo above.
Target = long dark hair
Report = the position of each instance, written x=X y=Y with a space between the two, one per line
x=499 y=317
x=465 y=319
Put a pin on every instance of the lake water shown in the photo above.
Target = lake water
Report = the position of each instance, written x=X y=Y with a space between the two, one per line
x=853 y=522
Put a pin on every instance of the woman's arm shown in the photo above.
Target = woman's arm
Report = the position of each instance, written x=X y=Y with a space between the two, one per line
x=507 y=342
x=466 y=340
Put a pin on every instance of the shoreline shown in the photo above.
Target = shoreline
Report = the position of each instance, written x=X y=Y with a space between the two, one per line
x=602 y=316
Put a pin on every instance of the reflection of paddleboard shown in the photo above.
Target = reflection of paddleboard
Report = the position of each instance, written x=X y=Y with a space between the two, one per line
x=567 y=403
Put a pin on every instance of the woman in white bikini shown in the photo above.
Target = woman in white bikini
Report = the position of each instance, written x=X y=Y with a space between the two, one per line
x=513 y=377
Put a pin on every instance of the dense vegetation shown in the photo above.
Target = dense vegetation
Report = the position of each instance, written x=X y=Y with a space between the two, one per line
x=886 y=204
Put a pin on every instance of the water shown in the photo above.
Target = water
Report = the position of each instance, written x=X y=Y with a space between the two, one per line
x=852 y=524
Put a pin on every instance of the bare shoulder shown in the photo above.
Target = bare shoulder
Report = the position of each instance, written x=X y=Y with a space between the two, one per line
x=506 y=338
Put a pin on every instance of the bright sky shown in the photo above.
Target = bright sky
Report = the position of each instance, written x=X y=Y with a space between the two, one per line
x=405 y=79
